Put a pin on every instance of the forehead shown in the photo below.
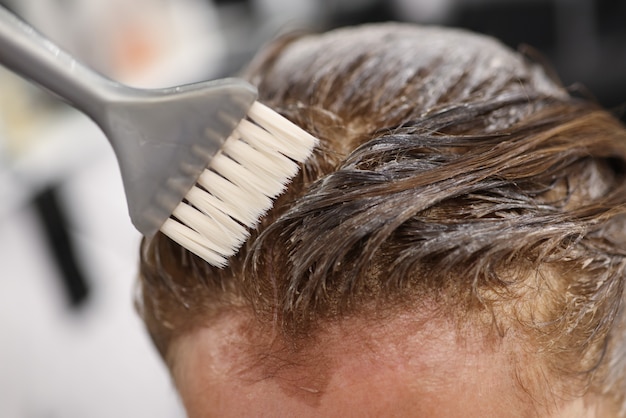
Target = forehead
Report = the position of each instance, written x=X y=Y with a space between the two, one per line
x=401 y=369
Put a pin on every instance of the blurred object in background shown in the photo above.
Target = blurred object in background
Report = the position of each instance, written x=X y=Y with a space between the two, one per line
x=424 y=11
x=584 y=40
x=144 y=43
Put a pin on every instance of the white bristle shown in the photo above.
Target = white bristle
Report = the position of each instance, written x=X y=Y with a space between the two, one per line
x=212 y=224
x=284 y=131
x=206 y=202
x=274 y=165
x=239 y=175
x=247 y=203
x=192 y=241
x=236 y=190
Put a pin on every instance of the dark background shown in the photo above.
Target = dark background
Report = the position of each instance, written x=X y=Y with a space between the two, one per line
x=584 y=40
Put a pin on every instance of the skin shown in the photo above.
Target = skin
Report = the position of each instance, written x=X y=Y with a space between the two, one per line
x=404 y=368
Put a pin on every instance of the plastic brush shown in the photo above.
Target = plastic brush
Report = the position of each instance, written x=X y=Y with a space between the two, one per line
x=200 y=162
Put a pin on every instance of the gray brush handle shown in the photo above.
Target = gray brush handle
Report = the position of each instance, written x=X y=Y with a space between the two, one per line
x=26 y=52
x=163 y=138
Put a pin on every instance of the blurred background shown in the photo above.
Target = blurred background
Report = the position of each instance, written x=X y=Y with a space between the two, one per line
x=71 y=344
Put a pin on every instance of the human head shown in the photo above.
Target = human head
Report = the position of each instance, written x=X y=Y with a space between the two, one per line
x=458 y=234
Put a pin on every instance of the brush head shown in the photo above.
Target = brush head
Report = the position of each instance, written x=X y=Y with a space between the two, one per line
x=237 y=188
x=164 y=139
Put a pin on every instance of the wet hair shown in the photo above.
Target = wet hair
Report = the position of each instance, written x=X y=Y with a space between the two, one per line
x=450 y=169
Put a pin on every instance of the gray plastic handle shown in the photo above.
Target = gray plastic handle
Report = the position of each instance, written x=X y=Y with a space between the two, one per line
x=163 y=138
x=26 y=52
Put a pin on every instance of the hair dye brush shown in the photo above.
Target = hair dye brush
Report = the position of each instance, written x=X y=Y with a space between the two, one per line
x=200 y=162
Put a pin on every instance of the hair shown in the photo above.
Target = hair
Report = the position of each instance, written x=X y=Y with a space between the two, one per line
x=450 y=169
